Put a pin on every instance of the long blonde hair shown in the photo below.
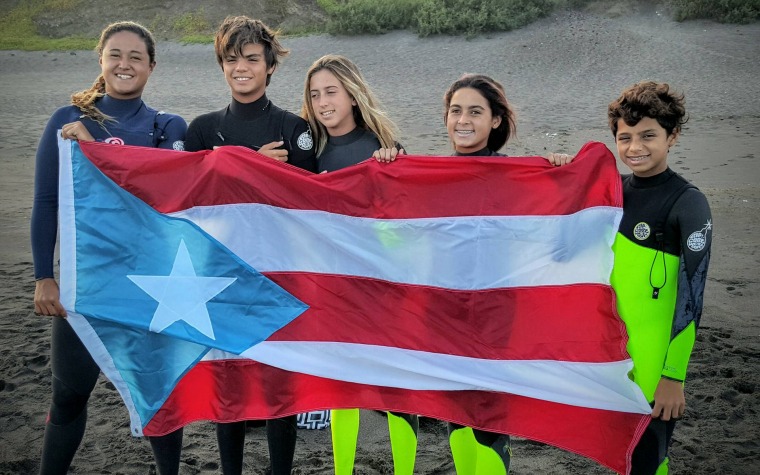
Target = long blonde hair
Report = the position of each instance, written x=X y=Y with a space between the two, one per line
x=368 y=112
x=85 y=100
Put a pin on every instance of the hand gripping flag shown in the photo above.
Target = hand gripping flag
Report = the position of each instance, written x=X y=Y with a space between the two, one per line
x=222 y=285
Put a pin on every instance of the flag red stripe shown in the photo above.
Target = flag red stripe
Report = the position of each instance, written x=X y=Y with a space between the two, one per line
x=206 y=393
x=424 y=187
x=577 y=322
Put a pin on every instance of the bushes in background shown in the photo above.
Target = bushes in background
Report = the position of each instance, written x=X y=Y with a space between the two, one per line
x=431 y=17
x=473 y=17
x=725 y=11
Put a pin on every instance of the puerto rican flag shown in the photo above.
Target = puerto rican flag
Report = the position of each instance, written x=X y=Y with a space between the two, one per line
x=222 y=285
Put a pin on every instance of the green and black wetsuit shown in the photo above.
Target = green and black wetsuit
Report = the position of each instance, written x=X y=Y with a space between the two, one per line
x=662 y=252
x=341 y=152
x=476 y=451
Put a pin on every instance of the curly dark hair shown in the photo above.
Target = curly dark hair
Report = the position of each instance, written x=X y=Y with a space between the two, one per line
x=648 y=99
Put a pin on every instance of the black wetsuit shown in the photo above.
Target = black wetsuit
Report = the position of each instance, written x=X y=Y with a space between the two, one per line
x=662 y=253
x=485 y=152
x=346 y=150
x=253 y=125
x=74 y=371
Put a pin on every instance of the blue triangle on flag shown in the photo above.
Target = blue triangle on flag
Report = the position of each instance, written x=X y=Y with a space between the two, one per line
x=149 y=364
x=138 y=269
x=121 y=241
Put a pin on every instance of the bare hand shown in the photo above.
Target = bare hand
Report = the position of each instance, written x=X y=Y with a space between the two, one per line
x=559 y=159
x=271 y=151
x=47 y=298
x=387 y=155
x=76 y=131
x=669 y=400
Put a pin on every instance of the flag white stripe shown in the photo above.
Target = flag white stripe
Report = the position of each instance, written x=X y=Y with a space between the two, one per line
x=464 y=253
x=594 y=385
x=67 y=224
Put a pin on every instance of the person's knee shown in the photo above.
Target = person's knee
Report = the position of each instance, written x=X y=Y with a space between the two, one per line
x=412 y=419
x=167 y=450
x=67 y=404
x=489 y=438
x=452 y=426
x=280 y=425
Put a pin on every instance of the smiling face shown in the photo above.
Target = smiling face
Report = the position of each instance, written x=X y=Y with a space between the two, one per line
x=125 y=65
x=469 y=120
x=332 y=105
x=644 y=147
x=247 y=74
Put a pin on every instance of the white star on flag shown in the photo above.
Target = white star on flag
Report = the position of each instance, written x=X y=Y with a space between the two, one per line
x=182 y=295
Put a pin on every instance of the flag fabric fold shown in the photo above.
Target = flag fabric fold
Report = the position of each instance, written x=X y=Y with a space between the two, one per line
x=222 y=285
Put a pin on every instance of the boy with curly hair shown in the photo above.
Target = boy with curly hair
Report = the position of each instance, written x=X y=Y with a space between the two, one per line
x=662 y=252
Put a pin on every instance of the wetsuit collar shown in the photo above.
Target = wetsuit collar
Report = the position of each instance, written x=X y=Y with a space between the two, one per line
x=484 y=152
x=119 y=107
x=652 y=181
x=252 y=110
x=348 y=138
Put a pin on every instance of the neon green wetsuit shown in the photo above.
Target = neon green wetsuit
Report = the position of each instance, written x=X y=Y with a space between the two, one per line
x=662 y=252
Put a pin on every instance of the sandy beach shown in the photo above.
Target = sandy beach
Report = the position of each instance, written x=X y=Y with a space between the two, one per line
x=559 y=73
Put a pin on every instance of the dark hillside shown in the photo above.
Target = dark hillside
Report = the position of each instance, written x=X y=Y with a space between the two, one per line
x=170 y=19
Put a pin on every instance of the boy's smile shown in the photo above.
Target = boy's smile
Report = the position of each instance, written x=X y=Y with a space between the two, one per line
x=644 y=147
x=247 y=74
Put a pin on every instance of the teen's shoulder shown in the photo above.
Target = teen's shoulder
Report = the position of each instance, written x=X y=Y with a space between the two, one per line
x=66 y=114
x=208 y=117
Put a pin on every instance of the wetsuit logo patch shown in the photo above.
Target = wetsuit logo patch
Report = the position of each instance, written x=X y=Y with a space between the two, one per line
x=698 y=239
x=304 y=141
x=114 y=141
x=179 y=145
x=641 y=231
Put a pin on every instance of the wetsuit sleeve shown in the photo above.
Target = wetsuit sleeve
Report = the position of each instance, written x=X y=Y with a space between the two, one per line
x=195 y=138
x=174 y=131
x=693 y=219
x=44 y=225
x=302 y=152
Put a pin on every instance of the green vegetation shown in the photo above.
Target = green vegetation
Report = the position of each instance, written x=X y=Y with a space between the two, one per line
x=189 y=28
x=20 y=26
x=463 y=17
x=473 y=17
x=725 y=11
x=434 y=17
x=354 y=17
x=19 y=31
x=192 y=23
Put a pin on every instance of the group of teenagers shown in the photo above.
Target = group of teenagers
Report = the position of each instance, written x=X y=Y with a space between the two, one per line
x=662 y=247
